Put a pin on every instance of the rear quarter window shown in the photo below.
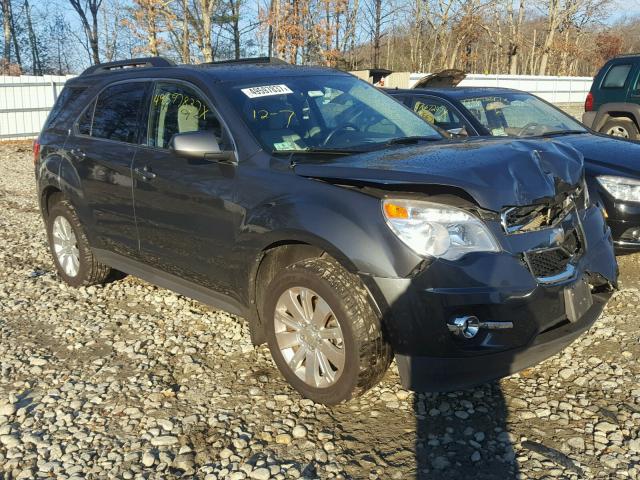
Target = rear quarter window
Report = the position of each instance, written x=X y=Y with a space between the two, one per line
x=65 y=100
x=617 y=76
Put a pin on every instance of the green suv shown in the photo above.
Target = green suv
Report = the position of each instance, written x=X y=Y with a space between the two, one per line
x=613 y=104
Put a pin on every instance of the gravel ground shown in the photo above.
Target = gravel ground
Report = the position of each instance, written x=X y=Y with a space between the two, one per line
x=132 y=381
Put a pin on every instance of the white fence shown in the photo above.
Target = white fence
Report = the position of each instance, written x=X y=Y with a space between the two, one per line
x=552 y=89
x=25 y=101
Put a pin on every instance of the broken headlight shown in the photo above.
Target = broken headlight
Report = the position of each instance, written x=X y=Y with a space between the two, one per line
x=621 y=188
x=436 y=230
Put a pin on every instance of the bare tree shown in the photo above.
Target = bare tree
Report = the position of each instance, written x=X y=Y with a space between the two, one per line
x=36 y=64
x=6 y=29
x=90 y=26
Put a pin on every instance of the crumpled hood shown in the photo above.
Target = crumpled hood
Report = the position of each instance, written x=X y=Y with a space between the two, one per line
x=497 y=173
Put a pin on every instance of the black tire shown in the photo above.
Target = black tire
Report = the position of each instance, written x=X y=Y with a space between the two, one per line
x=90 y=271
x=367 y=354
x=625 y=128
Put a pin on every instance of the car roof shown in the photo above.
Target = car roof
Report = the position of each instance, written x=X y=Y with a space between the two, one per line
x=455 y=92
x=214 y=72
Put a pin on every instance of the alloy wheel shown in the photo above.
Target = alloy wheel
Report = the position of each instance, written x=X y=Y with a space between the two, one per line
x=309 y=337
x=618 y=131
x=65 y=246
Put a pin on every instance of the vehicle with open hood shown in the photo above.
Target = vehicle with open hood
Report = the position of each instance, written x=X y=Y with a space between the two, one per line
x=342 y=227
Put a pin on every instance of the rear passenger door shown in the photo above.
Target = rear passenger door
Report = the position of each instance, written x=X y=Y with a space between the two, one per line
x=102 y=149
x=185 y=211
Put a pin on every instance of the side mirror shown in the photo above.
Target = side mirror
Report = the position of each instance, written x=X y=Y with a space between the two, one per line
x=200 y=145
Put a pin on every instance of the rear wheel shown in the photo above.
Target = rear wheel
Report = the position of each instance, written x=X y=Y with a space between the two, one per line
x=322 y=332
x=70 y=249
x=622 y=128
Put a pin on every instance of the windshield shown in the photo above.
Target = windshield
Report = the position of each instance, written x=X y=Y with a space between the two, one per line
x=514 y=114
x=324 y=112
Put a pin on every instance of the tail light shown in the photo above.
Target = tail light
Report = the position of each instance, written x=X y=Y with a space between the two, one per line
x=36 y=151
x=588 y=103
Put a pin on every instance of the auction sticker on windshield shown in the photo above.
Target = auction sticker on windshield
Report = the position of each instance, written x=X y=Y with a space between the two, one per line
x=266 y=90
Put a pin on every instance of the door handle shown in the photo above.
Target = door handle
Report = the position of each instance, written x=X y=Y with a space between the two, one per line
x=145 y=173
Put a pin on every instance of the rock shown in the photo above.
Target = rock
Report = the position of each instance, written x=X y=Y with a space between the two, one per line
x=566 y=373
x=388 y=397
x=148 y=458
x=634 y=445
x=165 y=424
x=475 y=456
x=606 y=427
x=403 y=394
x=576 y=443
x=440 y=463
x=283 y=438
x=239 y=443
x=164 y=441
x=299 y=431
x=184 y=462
x=260 y=474
x=225 y=453
x=7 y=410
x=9 y=441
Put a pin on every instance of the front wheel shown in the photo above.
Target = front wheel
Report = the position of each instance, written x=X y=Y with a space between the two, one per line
x=322 y=331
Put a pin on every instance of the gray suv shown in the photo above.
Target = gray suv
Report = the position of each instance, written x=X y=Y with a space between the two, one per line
x=342 y=227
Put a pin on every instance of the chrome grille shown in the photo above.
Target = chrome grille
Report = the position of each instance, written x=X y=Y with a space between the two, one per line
x=536 y=217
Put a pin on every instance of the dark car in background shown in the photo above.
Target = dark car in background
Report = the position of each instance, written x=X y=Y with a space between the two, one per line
x=613 y=103
x=341 y=226
x=612 y=165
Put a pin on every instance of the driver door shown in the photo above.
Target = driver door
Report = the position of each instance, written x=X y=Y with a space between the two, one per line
x=185 y=212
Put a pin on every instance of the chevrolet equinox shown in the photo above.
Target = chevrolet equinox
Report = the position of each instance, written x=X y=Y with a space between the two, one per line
x=345 y=229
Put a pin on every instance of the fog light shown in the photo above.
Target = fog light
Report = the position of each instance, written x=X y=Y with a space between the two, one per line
x=467 y=327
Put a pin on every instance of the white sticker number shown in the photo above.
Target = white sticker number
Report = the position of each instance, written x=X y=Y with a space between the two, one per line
x=266 y=90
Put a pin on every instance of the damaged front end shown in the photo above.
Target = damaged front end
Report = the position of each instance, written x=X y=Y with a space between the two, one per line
x=460 y=320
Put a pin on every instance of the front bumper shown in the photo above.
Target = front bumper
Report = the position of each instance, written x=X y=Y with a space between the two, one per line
x=493 y=287
x=421 y=373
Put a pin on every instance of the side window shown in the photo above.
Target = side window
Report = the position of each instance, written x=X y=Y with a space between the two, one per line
x=176 y=108
x=436 y=112
x=84 y=122
x=616 y=77
x=116 y=115
x=66 y=98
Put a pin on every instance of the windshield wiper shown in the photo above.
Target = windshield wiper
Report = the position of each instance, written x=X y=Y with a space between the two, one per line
x=562 y=132
x=411 y=140
x=318 y=151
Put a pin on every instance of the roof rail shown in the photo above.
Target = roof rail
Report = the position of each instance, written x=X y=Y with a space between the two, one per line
x=271 y=60
x=133 y=63
x=622 y=55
